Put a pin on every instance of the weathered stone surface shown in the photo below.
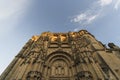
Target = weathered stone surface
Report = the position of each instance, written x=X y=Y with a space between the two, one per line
x=65 y=56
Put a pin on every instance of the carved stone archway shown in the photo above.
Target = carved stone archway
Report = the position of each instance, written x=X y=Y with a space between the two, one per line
x=58 y=66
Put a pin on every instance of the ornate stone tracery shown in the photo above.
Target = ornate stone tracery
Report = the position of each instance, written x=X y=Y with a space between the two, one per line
x=65 y=56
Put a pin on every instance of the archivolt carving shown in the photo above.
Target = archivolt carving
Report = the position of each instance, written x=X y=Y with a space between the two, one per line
x=51 y=56
x=59 y=64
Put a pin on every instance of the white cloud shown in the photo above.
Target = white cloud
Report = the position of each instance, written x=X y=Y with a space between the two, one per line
x=85 y=18
x=76 y=29
x=10 y=13
x=91 y=18
x=79 y=18
x=90 y=15
x=105 y=2
x=117 y=4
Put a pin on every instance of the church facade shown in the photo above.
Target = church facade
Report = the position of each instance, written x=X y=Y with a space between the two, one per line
x=65 y=56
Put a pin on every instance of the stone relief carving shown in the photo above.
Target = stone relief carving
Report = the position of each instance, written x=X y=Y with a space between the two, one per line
x=34 y=75
x=78 y=62
x=85 y=75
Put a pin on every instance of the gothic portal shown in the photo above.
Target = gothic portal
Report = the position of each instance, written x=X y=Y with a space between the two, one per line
x=65 y=56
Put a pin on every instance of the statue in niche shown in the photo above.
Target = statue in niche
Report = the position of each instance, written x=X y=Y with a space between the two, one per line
x=54 y=38
x=73 y=34
x=58 y=68
x=63 y=38
x=82 y=32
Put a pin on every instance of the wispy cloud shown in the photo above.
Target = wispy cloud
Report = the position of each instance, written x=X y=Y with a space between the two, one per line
x=105 y=2
x=85 y=18
x=117 y=4
x=10 y=13
x=91 y=14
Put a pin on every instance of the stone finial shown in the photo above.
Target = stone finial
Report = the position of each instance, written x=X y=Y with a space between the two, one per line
x=35 y=38
x=82 y=32
x=112 y=45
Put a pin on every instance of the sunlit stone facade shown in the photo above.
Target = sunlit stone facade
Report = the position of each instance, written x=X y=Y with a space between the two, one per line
x=65 y=56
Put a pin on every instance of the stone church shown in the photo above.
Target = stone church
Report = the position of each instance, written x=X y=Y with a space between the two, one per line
x=65 y=56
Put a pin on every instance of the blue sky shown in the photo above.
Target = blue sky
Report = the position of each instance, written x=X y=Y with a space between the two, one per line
x=21 y=19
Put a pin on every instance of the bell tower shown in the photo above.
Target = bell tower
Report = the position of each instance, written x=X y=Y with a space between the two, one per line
x=65 y=56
